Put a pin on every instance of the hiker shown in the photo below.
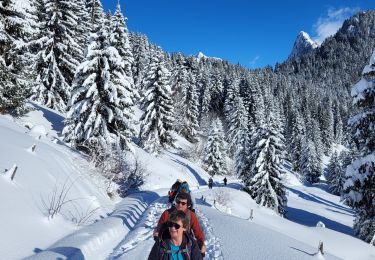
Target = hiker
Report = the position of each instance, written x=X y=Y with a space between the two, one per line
x=210 y=182
x=175 y=242
x=178 y=186
x=174 y=189
x=225 y=181
x=183 y=201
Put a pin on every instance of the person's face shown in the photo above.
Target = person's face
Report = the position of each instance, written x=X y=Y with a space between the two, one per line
x=176 y=229
x=181 y=204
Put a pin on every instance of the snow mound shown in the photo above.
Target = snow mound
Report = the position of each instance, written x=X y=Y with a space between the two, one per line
x=320 y=224
x=38 y=131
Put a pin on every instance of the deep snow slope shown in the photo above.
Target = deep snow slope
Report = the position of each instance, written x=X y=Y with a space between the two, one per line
x=124 y=230
x=24 y=225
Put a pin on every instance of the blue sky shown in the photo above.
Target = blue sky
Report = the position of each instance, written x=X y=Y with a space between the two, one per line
x=254 y=33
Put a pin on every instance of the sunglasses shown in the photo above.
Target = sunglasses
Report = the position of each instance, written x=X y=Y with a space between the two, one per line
x=181 y=202
x=175 y=225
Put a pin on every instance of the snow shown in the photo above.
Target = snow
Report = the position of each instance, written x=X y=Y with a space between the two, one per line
x=201 y=55
x=122 y=229
x=21 y=200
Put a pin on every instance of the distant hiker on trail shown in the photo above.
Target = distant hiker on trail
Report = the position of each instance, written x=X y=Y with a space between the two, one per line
x=210 y=182
x=183 y=201
x=225 y=181
x=175 y=242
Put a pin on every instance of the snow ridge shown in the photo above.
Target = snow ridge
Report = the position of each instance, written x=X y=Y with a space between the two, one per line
x=142 y=232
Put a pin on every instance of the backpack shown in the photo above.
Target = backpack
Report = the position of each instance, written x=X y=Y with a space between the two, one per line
x=176 y=188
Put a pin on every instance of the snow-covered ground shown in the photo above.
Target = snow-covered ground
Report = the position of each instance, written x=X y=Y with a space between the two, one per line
x=123 y=229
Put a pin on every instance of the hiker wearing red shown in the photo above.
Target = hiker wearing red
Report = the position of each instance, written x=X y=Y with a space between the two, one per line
x=183 y=200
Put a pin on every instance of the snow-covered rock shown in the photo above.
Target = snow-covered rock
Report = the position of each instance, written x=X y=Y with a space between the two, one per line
x=303 y=45
x=201 y=55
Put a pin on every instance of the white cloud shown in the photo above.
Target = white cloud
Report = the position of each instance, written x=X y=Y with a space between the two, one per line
x=254 y=61
x=329 y=24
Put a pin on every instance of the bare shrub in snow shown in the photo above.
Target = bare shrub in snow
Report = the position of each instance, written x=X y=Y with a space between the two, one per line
x=222 y=198
x=123 y=171
x=58 y=198
x=80 y=216
x=133 y=175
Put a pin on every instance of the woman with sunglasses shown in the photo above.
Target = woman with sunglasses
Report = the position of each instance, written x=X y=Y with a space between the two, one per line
x=174 y=242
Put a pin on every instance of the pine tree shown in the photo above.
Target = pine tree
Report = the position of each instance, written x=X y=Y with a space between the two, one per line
x=338 y=127
x=231 y=98
x=189 y=105
x=15 y=30
x=237 y=125
x=296 y=137
x=204 y=102
x=265 y=185
x=99 y=110
x=96 y=14
x=215 y=151
x=141 y=53
x=359 y=192
x=157 y=121
x=311 y=168
x=57 y=54
x=243 y=155
x=336 y=175
x=327 y=131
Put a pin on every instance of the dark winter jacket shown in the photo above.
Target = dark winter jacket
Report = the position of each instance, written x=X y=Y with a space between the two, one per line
x=161 y=249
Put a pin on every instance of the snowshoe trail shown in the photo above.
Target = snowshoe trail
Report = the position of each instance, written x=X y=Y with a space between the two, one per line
x=212 y=242
x=142 y=232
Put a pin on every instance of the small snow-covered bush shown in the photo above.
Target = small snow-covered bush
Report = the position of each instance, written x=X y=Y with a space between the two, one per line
x=320 y=224
x=38 y=130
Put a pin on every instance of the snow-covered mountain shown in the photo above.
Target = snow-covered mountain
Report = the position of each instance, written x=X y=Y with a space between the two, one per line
x=302 y=45
x=123 y=230
x=201 y=55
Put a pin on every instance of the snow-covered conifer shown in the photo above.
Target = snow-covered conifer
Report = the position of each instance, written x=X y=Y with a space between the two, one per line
x=230 y=99
x=359 y=190
x=58 y=54
x=296 y=137
x=336 y=175
x=119 y=39
x=96 y=14
x=338 y=128
x=15 y=30
x=100 y=108
x=265 y=185
x=141 y=53
x=327 y=131
x=215 y=151
x=310 y=165
x=237 y=125
x=189 y=104
x=157 y=120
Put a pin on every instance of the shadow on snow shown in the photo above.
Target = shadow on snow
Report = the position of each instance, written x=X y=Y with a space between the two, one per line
x=56 y=120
